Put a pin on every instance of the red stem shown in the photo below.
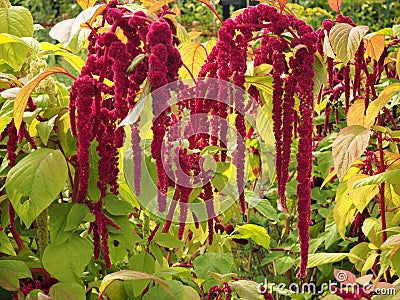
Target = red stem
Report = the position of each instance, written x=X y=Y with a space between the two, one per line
x=14 y=232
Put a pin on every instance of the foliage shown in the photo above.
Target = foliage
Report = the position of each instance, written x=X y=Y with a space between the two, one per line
x=92 y=202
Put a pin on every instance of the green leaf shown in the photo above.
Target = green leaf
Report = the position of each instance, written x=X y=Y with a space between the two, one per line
x=391 y=242
x=93 y=189
x=212 y=262
x=4 y=122
x=143 y=262
x=372 y=229
x=246 y=289
x=117 y=207
x=362 y=195
x=348 y=146
x=131 y=275
x=264 y=83
x=76 y=216
x=345 y=40
x=135 y=62
x=167 y=240
x=40 y=175
x=74 y=60
x=19 y=268
x=13 y=51
x=327 y=258
x=67 y=261
x=5 y=245
x=58 y=219
x=344 y=209
x=257 y=233
x=384 y=97
x=392 y=177
x=264 y=124
x=284 y=263
x=270 y=257
x=67 y=290
x=17 y=21
x=8 y=280
x=45 y=128
x=320 y=74
x=179 y=291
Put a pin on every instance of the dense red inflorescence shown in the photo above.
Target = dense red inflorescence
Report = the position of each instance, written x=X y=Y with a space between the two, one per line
x=229 y=57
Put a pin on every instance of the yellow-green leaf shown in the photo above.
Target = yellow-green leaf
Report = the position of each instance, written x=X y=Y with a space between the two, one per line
x=86 y=3
x=345 y=40
x=363 y=195
x=257 y=233
x=74 y=60
x=158 y=5
x=383 y=98
x=348 y=146
x=344 y=209
x=26 y=91
x=193 y=56
x=355 y=114
x=131 y=275
x=398 y=63
x=327 y=258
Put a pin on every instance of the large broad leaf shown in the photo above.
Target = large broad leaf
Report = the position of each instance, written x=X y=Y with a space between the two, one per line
x=344 y=209
x=131 y=275
x=67 y=30
x=335 y=5
x=40 y=176
x=74 y=60
x=193 y=56
x=392 y=177
x=8 y=280
x=350 y=143
x=264 y=124
x=254 y=232
x=16 y=21
x=67 y=290
x=246 y=289
x=327 y=258
x=179 y=291
x=345 y=40
x=362 y=195
x=67 y=261
x=26 y=91
x=212 y=262
x=375 y=46
x=383 y=99
x=320 y=74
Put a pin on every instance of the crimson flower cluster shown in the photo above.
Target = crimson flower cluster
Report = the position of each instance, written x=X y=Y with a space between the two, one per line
x=96 y=107
x=229 y=58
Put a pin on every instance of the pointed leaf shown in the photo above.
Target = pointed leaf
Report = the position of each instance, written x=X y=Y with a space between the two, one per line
x=67 y=290
x=40 y=175
x=257 y=233
x=26 y=91
x=282 y=4
x=383 y=98
x=375 y=46
x=335 y=5
x=392 y=177
x=131 y=275
x=193 y=56
x=86 y=3
x=344 y=209
x=362 y=195
x=350 y=143
x=74 y=60
x=327 y=258
x=345 y=40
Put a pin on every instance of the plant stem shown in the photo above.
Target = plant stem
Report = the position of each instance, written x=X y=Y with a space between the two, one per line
x=14 y=232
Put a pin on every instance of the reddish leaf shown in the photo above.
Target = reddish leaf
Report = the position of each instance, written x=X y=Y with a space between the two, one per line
x=335 y=5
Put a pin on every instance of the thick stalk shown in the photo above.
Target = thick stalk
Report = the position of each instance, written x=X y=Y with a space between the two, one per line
x=42 y=231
